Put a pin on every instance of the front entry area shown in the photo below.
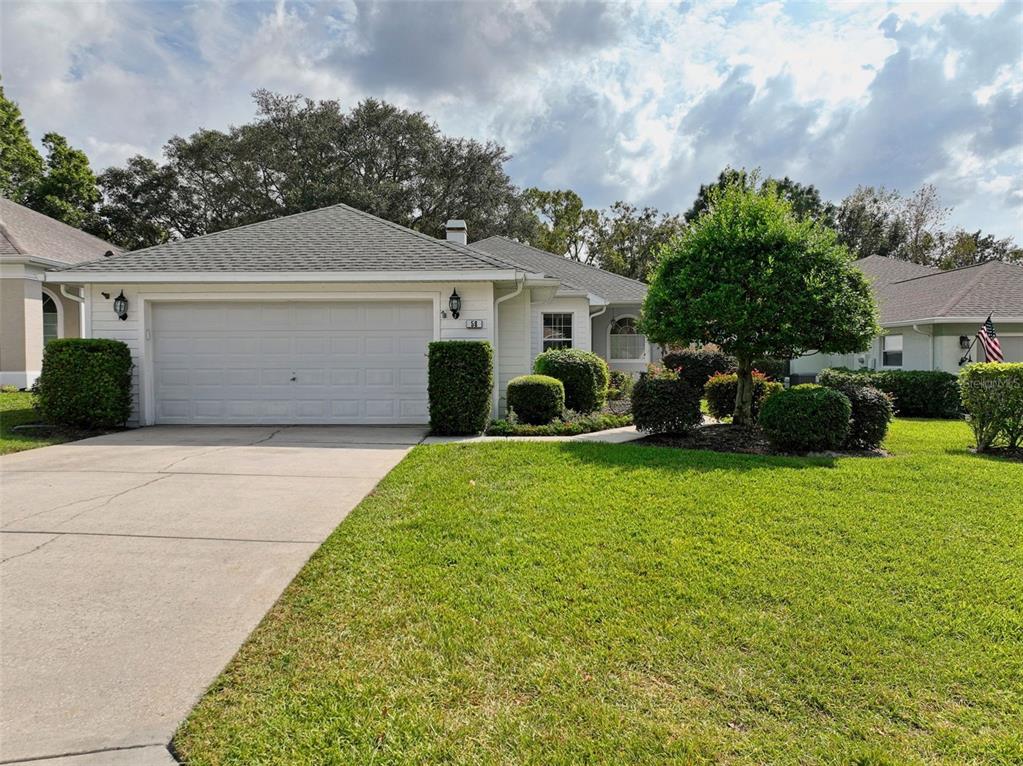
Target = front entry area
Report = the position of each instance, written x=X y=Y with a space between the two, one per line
x=302 y=362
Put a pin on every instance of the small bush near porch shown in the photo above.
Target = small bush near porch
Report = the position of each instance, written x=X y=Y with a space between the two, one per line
x=591 y=603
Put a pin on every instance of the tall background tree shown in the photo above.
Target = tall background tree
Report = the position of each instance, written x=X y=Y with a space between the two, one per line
x=753 y=278
x=299 y=154
x=565 y=226
x=21 y=166
x=805 y=199
x=627 y=239
x=61 y=186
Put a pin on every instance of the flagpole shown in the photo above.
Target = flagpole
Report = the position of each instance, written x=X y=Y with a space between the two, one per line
x=964 y=357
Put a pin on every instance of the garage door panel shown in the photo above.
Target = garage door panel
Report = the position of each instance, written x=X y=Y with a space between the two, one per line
x=279 y=363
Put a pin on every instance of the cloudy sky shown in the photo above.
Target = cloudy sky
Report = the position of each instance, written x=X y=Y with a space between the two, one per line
x=641 y=102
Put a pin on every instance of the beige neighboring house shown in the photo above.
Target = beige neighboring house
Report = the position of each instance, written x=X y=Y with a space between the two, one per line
x=31 y=312
x=325 y=317
x=930 y=317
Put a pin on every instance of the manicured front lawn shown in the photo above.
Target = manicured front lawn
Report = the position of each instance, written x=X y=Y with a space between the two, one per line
x=583 y=603
x=15 y=410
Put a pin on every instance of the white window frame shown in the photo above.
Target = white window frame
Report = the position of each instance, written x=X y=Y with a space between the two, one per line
x=901 y=351
x=60 y=313
x=646 y=345
x=571 y=327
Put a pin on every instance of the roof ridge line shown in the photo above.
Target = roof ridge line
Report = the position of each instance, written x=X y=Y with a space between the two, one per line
x=568 y=260
x=939 y=272
x=9 y=236
x=960 y=294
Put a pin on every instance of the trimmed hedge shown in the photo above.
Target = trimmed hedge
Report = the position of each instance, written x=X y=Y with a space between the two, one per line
x=721 y=390
x=536 y=399
x=872 y=412
x=806 y=418
x=915 y=393
x=583 y=424
x=584 y=374
x=461 y=382
x=664 y=403
x=696 y=366
x=85 y=383
x=992 y=394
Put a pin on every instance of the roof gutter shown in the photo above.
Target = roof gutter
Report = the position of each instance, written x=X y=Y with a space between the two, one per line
x=215 y=277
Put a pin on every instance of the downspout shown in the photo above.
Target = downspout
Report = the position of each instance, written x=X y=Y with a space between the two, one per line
x=497 y=344
x=72 y=296
x=930 y=346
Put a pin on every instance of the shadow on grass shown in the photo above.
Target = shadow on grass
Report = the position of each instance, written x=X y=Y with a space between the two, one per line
x=685 y=460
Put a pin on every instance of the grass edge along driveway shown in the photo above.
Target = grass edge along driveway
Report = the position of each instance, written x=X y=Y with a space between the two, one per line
x=567 y=603
x=16 y=408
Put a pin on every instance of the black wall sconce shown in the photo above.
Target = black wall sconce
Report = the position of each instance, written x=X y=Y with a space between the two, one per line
x=121 y=306
x=455 y=303
x=964 y=341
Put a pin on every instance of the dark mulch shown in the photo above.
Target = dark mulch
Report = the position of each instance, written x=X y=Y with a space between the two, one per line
x=725 y=437
x=1007 y=453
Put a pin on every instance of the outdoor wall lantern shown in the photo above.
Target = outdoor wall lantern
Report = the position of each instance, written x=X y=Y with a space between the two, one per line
x=964 y=341
x=455 y=303
x=121 y=306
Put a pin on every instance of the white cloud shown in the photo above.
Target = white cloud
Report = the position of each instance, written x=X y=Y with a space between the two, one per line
x=642 y=102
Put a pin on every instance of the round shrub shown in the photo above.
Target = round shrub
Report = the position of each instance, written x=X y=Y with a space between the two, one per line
x=806 y=418
x=536 y=399
x=85 y=383
x=721 y=390
x=584 y=374
x=460 y=386
x=871 y=413
x=695 y=366
x=664 y=403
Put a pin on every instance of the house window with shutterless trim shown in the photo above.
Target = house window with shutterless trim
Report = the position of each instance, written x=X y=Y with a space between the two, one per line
x=891 y=351
x=557 y=331
x=51 y=319
x=626 y=342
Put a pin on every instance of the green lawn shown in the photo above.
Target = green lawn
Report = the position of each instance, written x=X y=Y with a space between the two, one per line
x=583 y=603
x=16 y=409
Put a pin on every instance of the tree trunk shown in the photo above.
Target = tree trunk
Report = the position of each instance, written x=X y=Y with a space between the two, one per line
x=743 y=415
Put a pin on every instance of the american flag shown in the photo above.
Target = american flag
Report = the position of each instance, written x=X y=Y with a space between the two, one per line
x=989 y=340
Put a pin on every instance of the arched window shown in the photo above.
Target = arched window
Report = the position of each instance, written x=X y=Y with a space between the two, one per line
x=625 y=342
x=51 y=319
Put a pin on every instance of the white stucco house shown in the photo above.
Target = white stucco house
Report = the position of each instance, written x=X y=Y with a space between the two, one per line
x=930 y=317
x=325 y=317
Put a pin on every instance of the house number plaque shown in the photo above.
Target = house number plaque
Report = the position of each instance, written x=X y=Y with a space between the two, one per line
x=473 y=324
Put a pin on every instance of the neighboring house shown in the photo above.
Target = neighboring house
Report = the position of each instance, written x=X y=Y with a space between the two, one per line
x=31 y=313
x=930 y=316
x=325 y=317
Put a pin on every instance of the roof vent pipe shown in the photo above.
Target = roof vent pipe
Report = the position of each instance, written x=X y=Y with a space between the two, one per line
x=456 y=232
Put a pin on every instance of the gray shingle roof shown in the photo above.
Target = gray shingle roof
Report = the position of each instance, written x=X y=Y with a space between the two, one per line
x=908 y=292
x=581 y=277
x=335 y=238
x=26 y=232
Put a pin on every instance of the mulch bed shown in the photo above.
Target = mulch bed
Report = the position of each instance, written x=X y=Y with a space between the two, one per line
x=1006 y=453
x=725 y=437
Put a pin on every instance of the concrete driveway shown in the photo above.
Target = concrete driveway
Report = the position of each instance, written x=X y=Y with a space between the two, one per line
x=135 y=564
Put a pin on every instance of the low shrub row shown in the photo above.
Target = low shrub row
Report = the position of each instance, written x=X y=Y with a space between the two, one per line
x=992 y=394
x=662 y=402
x=915 y=393
x=573 y=426
x=721 y=390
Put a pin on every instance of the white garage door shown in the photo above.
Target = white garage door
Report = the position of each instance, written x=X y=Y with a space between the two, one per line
x=300 y=362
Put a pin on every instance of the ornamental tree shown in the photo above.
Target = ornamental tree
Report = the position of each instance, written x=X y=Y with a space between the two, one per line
x=752 y=278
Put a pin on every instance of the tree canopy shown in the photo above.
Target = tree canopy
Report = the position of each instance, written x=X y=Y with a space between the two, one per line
x=753 y=278
x=299 y=154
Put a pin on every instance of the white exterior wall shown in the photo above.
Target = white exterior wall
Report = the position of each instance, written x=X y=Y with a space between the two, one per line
x=513 y=342
x=580 y=310
x=601 y=326
x=100 y=321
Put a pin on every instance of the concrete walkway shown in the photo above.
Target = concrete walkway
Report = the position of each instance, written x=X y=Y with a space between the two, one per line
x=133 y=566
x=610 y=436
